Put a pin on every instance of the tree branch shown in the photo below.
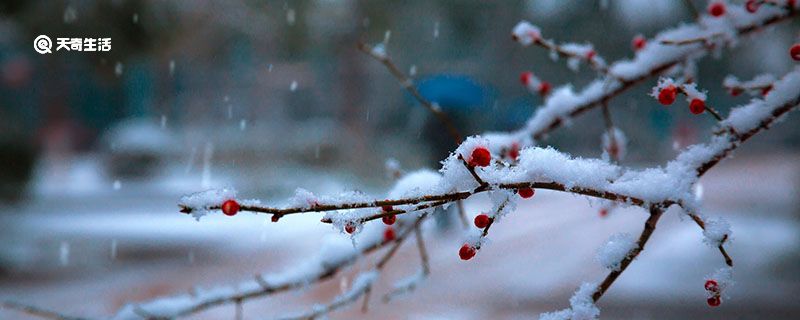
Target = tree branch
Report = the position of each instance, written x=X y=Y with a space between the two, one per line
x=408 y=84
x=647 y=231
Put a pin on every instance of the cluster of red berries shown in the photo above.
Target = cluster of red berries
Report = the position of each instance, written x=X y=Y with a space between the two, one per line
x=715 y=297
x=668 y=94
x=480 y=157
x=542 y=87
x=482 y=221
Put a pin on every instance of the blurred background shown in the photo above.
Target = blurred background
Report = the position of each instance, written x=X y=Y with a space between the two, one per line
x=267 y=96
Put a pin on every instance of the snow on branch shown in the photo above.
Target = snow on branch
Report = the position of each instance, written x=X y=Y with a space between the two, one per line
x=526 y=34
x=508 y=168
x=758 y=86
x=651 y=60
x=543 y=168
x=335 y=254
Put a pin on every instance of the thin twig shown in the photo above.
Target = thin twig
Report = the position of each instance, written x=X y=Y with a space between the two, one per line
x=462 y=214
x=444 y=197
x=338 y=303
x=699 y=221
x=408 y=84
x=539 y=133
x=558 y=49
x=649 y=227
x=471 y=170
x=713 y=113
x=612 y=137
x=423 y=254
x=39 y=312
x=681 y=42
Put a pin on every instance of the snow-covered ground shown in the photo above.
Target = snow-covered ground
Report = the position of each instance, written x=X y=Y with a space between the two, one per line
x=89 y=254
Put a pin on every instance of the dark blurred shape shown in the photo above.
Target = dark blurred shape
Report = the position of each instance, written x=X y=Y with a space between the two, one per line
x=460 y=97
x=16 y=164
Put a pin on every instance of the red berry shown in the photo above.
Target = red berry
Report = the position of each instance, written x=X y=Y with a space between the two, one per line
x=795 y=52
x=752 y=5
x=667 y=95
x=275 y=217
x=697 y=106
x=603 y=212
x=466 y=252
x=544 y=88
x=590 y=55
x=482 y=220
x=712 y=285
x=389 y=220
x=480 y=157
x=388 y=234
x=230 y=207
x=714 y=301
x=513 y=153
x=525 y=77
x=350 y=227
x=638 y=43
x=386 y=208
x=766 y=90
x=735 y=91
x=525 y=193
x=716 y=9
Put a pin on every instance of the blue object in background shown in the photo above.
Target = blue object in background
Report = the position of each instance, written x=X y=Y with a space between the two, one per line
x=455 y=93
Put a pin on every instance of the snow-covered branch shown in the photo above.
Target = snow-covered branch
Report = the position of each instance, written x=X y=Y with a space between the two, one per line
x=650 y=60
x=509 y=167
x=546 y=168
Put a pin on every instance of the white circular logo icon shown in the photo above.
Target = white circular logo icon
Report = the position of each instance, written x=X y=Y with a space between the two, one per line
x=42 y=44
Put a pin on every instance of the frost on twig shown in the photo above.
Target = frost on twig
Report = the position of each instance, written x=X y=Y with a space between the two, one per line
x=617 y=248
x=669 y=184
x=758 y=86
x=360 y=286
x=717 y=231
x=582 y=306
x=651 y=60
